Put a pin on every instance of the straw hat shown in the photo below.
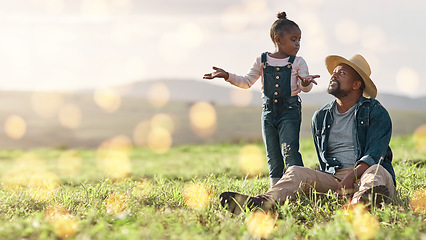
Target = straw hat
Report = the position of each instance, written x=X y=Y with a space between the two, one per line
x=360 y=65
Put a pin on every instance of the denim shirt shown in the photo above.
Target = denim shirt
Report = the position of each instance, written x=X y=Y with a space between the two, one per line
x=372 y=133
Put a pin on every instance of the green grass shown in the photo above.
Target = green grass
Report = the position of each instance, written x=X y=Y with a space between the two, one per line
x=163 y=214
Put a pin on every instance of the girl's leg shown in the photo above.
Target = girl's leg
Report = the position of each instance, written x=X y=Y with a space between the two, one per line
x=273 y=152
x=289 y=131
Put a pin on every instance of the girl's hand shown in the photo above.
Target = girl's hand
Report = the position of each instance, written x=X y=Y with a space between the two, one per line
x=308 y=79
x=218 y=73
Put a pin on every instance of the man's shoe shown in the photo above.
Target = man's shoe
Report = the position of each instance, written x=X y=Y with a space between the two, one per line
x=236 y=202
x=376 y=195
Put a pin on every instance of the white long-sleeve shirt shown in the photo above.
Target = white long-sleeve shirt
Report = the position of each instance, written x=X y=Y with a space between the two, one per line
x=299 y=67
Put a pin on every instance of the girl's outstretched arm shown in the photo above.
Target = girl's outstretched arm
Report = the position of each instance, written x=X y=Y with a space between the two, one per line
x=308 y=79
x=217 y=73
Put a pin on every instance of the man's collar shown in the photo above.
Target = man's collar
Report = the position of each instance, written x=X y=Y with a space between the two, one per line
x=360 y=101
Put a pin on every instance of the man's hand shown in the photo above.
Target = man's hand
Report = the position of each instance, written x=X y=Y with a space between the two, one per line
x=218 y=73
x=308 y=79
x=346 y=186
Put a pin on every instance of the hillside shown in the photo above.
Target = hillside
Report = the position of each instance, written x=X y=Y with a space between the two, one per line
x=203 y=90
x=233 y=124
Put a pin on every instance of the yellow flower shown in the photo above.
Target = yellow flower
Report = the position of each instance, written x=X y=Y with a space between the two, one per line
x=196 y=196
x=116 y=203
x=142 y=189
x=418 y=201
x=261 y=224
x=65 y=226
x=364 y=225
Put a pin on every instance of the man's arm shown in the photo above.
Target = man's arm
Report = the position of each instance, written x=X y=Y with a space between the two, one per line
x=377 y=140
x=346 y=186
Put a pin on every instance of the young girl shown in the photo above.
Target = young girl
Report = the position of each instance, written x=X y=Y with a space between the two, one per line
x=283 y=76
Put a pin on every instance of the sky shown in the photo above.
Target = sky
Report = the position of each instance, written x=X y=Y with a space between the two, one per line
x=77 y=44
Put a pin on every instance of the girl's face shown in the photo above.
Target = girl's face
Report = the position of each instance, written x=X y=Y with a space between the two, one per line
x=288 y=43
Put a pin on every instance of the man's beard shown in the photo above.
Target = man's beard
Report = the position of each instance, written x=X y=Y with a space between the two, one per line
x=337 y=92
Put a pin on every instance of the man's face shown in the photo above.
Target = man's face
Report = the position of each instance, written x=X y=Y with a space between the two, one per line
x=342 y=81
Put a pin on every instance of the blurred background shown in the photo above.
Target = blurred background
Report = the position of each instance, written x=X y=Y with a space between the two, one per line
x=76 y=73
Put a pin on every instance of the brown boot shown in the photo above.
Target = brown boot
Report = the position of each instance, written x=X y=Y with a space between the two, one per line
x=376 y=195
x=236 y=202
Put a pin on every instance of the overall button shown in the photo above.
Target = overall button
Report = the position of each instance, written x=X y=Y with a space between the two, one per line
x=276 y=85
x=275 y=101
x=289 y=66
x=277 y=77
x=278 y=69
x=275 y=93
x=264 y=66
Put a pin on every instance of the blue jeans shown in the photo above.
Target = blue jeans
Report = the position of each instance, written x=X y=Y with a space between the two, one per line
x=281 y=128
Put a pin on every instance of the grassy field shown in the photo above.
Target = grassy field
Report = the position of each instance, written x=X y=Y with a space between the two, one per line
x=120 y=192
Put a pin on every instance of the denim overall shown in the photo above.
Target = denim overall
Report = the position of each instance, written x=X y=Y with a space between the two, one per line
x=281 y=118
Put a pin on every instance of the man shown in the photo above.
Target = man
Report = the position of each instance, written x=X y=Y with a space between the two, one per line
x=351 y=136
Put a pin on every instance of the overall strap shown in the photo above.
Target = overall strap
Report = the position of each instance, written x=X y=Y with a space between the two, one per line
x=263 y=58
x=291 y=60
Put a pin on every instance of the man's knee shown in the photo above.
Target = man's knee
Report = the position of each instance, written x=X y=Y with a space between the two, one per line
x=295 y=169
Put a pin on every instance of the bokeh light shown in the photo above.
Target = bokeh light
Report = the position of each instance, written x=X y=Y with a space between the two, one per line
x=141 y=132
x=163 y=120
x=158 y=95
x=107 y=99
x=196 y=196
x=113 y=157
x=202 y=116
x=116 y=204
x=15 y=127
x=70 y=116
x=251 y=160
x=234 y=18
x=69 y=163
x=261 y=224
x=347 y=31
x=419 y=138
x=407 y=80
x=160 y=140
x=364 y=225
x=65 y=226
x=46 y=104
x=142 y=189
x=241 y=98
x=54 y=211
x=418 y=201
x=43 y=186
x=28 y=173
x=19 y=176
x=190 y=35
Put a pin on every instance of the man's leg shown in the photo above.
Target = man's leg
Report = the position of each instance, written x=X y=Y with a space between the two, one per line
x=375 y=181
x=301 y=180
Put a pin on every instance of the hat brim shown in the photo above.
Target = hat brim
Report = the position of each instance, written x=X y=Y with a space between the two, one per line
x=332 y=61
